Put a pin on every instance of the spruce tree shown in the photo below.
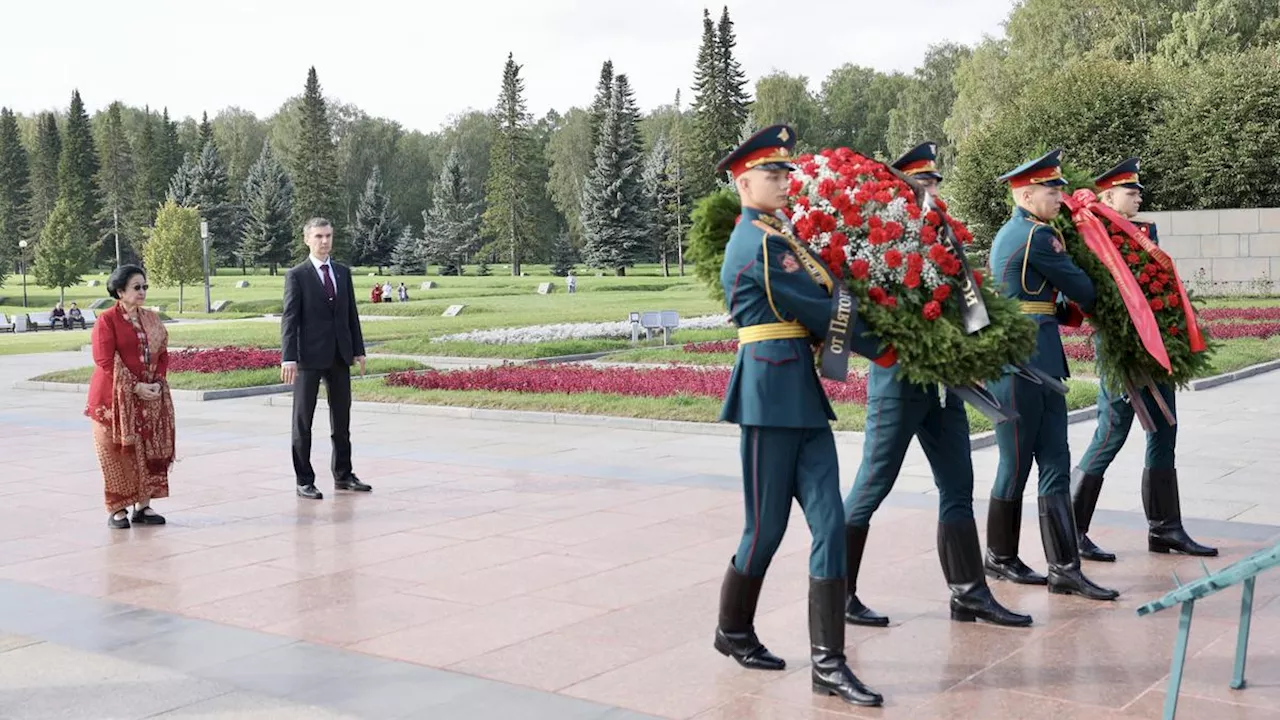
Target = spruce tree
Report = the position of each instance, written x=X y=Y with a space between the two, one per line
x=407 y=257
x=182 y=184
x=600 y=106
x=720 y=104
x=62 y=256
x=563 y=254
x=377 y=226
x=206 y=131
x=450 y=227
x=511 y=218
x=150 y=174
x=117 y=187
x=15 y=191
x=266 y=236
x=170 y=148
x=202 y=183
x=660 y=192
x=614 y=211
x=314 y=168
x=77 y=171
x=44 y=173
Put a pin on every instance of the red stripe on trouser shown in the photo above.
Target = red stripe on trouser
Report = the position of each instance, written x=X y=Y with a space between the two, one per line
x=755 y=493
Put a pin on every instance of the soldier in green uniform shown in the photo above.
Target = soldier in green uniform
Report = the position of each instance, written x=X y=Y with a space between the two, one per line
x=780 y=296
x=1029 y=259
x=1119 y=189
x=896 y=412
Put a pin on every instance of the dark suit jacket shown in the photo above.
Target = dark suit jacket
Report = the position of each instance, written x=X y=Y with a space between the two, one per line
x=314 y=330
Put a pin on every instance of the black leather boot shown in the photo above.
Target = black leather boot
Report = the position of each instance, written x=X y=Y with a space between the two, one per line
x=831 y=675
x=1004 y=528
x=1164 y=515
x=1058 y=529
x=1085 y=489
x=735 y=634
x=855 y=542
x=971 y=599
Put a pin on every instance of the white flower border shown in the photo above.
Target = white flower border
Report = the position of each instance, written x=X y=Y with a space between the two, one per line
x=572 y=331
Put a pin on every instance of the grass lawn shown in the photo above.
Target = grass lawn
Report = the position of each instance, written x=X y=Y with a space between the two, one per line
x=225 y=380
x=681 y=407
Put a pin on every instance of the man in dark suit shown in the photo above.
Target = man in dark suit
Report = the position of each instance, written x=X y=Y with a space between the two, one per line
x=320 y=339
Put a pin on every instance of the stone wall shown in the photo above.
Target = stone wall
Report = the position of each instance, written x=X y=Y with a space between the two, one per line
x=1223 y=251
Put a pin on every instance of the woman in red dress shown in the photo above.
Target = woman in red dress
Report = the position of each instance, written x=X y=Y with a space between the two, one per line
x=129 y=402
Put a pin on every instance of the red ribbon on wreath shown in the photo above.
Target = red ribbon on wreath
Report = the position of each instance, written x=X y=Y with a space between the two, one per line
x=1098 y=240
x=1162 y=259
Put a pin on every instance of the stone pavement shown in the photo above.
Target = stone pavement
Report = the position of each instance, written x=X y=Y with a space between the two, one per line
x=504 y=569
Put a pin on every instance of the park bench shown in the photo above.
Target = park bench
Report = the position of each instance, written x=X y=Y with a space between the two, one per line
x=43 y=320
x=8 y=324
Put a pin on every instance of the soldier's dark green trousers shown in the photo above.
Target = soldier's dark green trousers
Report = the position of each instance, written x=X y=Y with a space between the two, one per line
x=944 y=437
x=1039 y=434
x=1115 y=417
x=779 y=464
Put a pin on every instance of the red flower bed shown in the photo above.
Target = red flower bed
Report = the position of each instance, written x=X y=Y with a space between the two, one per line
x=1221 y=330
x=1079 y=351
x=1241 y=313
x=572 y=379
x=225 y=359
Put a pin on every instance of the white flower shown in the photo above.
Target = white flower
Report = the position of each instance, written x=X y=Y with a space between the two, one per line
x=571 y=331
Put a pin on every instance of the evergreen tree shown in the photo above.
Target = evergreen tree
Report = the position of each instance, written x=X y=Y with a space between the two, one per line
x=150 y=174
x=660 y=191
x=451 y=227
x=720 y=103
x=600 y=106
x=482 y=265
x=511 y=218
x=202 y=183
x=314 y=167
x=170 y=152
x=206 y=131
x=614 y=210
x=77 y=170
x=407 y=257
x=117 y=186
x=377 y=226
x=15 y=191
x=173 y=252
x=563 y=254
x=44 y=172
x=267 y=233
x=62 y=256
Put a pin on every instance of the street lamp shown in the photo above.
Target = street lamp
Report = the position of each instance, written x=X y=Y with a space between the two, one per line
x=204 y=242
x=22 y=266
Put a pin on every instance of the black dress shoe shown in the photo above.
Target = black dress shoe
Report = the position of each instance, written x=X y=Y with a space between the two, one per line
x=855 y=613
x=310 y=492
x=831 y=674
x=119 y=521
x=147 y=516
x=1058 y=532
x=971 y=599
x=1164 y=515
x=351 y=483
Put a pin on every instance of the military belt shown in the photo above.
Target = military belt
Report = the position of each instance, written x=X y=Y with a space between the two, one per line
x=1037 y=307
x=771 y=331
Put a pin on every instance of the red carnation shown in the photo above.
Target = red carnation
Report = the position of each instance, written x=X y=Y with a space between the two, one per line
x=932 y=218
x=942 y=292
x=839 y=239
x=827 y=153
x=932 y=310
x=913 y=212
x=1132 y=259
x=928 y=235
x=877 y=236
x=826 y=188
x=803 y=202
x=1173 y=330
x=827 y=223
x=951 y=265
x=875 y=223
x=841 y=202
x=891 y=303
x=804 y=228
x=1151 y=269
x=1156 y=288
x=915 y=263
x=893 y=258
x=876 y=295
x=1157 y=304
x=852 y=218
x=912 y=280
x=1117 y=241
x=1172 y=301
x=794 y=186
x=977 y=277
x=1143 y=279
x=1162 y=277
x=809 y=168
x=894 y=229
x=937 y=253
x=860 y=269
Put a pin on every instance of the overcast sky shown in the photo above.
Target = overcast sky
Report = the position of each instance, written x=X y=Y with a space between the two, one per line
x=418 y=63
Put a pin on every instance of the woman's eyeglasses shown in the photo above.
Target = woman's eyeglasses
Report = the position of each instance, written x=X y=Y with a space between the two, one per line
x=136 y=288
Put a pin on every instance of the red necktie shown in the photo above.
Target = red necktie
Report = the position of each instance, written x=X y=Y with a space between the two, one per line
x=329 y=289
